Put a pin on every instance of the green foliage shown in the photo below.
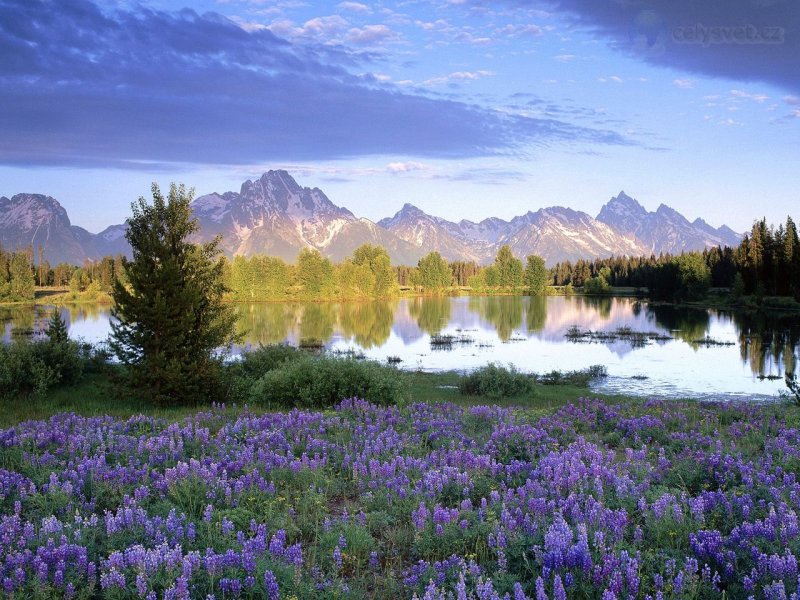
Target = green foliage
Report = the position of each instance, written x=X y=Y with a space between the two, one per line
x=170 y=318
x=315 y=276
x=794 y=387
x=433 y=273
x=57 y=328
x=598 y=285
x=509 y=269
x=694 y=276
x=322 y=381
x=384 y=282
x=264 y=359
x=579 y=378
x=536 y=275
x=32 y=368
x=259 y=278
x=493 y=381
x=17 y=279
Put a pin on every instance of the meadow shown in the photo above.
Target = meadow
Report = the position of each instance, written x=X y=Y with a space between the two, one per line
x=584 y=499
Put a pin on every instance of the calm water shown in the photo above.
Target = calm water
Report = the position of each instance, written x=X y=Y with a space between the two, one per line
x=529 y=333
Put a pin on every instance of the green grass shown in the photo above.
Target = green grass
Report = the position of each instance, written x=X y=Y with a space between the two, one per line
x=95 y=395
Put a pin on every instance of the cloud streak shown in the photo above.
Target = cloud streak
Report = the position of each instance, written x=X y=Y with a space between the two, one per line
x=127 y=89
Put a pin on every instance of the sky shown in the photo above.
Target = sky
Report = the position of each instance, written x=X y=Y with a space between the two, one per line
x=465 y=108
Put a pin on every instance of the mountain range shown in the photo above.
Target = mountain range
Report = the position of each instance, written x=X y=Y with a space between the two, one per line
x=274 y=215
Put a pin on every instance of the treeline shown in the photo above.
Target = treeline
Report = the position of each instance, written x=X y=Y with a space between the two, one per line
x=369 y=274
x=16 y=276
x=766 y=263
x=20 y=274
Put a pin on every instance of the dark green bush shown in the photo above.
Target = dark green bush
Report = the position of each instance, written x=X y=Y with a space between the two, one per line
x=581 y=378
x=794 y=387
x=262 y=360
x=34 y=367
x=495 y=382
x=322 y=381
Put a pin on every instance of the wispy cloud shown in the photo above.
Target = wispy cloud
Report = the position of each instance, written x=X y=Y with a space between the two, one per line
x=371 y=35
x=684 y=84
x=355 y=7
x=458 y=76
x=406 y=167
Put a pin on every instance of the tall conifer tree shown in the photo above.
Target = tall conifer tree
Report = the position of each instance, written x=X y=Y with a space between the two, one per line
x=170 y=317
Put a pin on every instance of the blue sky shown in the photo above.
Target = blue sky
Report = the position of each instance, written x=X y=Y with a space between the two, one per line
x=466 y=108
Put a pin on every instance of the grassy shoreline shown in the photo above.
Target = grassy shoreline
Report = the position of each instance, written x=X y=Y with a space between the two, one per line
x=96 y=395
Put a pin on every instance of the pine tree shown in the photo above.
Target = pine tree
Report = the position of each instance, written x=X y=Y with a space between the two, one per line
x=57 y=329
x=170 y=317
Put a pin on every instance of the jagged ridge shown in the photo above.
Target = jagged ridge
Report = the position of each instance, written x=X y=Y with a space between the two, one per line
x=274 y=215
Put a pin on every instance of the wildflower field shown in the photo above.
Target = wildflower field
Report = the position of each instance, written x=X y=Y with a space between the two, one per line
x=638 y=500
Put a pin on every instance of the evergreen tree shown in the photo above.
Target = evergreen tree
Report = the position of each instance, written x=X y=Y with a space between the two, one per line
x=791 y=257
x=169 y=318
x=57 y=329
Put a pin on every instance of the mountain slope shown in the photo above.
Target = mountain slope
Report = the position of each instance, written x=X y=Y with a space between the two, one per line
x=274 y=215
x=665 y=230
x=556 y=234
x=433 y=233
x=36 y=220
x=559 y=234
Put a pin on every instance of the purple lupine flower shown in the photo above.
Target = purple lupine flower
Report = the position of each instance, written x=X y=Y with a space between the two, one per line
x=271 y=585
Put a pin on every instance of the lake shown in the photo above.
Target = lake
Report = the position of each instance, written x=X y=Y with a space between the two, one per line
x=685 y=352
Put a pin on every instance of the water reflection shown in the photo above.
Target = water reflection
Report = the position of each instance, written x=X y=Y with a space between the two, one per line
x=536 y=313
x=431 y=313
x=687 y=324
x=747 y=349
x=503 y=312
x=768 y=343
x=369 y=324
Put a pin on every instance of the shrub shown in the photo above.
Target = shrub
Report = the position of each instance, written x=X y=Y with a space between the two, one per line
x=581 y=378
x=34 y=367
x=264 y=359
x=794 y=387
x=322 y=381
x=493 y=381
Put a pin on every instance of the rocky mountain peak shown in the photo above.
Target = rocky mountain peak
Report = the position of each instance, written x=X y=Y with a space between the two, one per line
x=274 y=215
x=31 y=211
x=622 y=206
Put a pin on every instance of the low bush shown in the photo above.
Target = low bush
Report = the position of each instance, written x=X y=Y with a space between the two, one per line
x=322 y=381
x=493 y=381
x=780 y=302
x=34 y=367
x=581 y=378
x=794 y=387
x=264 y=359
